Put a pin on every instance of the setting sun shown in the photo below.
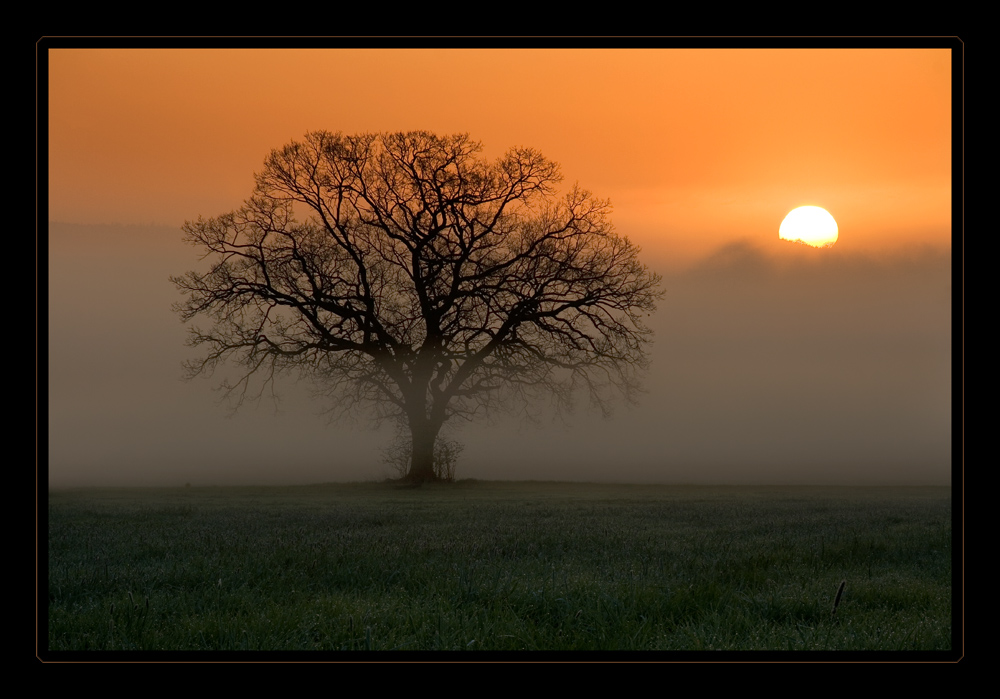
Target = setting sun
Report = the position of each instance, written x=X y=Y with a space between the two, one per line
x=811 y=225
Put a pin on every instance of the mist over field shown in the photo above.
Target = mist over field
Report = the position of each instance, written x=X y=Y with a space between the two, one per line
x=776 y=365
x=773 y=362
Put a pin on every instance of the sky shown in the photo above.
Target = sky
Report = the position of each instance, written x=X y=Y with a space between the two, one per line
x=773 y=362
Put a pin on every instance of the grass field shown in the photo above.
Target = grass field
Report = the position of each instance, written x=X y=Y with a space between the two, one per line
x=499 y=566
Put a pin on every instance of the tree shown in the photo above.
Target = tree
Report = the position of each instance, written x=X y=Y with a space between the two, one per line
x=404 y=272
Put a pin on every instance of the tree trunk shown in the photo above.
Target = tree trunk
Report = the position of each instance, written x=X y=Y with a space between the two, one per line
x=422 y=458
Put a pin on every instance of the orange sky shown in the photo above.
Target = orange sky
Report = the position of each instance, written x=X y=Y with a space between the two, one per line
x=695 y=147
x=772 y=363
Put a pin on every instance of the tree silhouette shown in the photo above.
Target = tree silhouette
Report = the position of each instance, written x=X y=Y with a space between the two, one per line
x=404 y=272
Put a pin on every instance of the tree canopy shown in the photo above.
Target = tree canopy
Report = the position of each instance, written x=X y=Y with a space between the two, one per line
x=404 y=272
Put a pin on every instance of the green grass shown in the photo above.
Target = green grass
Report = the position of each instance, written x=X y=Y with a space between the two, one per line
x=499 y=566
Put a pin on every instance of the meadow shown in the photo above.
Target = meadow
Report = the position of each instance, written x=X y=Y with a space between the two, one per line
x=498 y=566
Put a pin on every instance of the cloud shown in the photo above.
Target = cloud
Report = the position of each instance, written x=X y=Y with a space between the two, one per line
x=794 y=366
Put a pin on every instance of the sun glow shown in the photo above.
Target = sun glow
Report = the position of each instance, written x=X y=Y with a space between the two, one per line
x=811 y=225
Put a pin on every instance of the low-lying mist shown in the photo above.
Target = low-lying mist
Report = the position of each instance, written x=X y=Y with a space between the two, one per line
x=769 y=366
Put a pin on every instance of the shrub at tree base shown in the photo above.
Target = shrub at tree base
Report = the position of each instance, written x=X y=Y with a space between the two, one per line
x=399 y=458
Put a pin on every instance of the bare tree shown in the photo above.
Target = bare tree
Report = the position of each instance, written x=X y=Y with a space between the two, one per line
x=404 y=272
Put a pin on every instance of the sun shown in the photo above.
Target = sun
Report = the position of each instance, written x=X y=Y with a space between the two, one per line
x=811 y=225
